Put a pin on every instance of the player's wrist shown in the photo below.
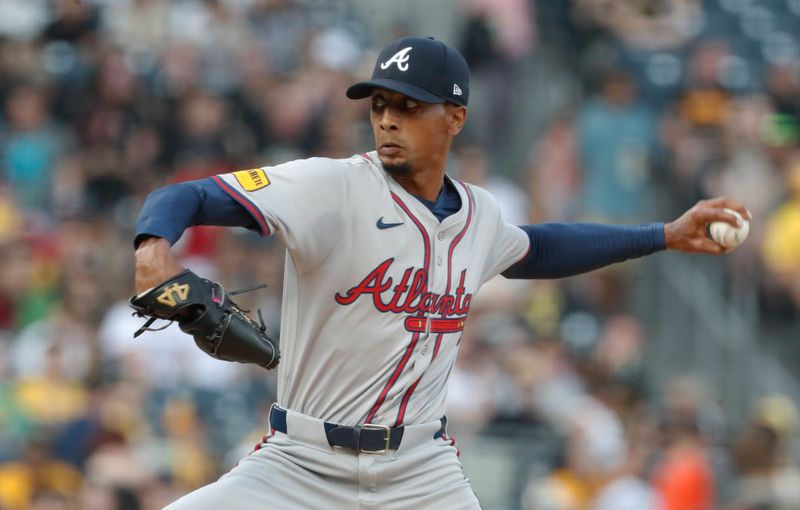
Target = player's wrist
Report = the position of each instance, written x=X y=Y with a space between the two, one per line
x=155 y=262
x=145 y=241
x=669 y=235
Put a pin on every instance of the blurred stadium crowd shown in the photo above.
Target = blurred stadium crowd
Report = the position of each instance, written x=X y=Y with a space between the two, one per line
x=644 y=108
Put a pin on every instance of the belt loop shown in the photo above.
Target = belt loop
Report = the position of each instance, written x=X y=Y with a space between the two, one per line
x=277 y=418
x=443 y=429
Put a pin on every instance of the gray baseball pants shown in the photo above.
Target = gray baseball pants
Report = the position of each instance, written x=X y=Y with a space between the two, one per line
x=299 y=470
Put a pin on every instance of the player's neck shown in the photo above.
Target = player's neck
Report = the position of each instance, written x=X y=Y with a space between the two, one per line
x=425 y=184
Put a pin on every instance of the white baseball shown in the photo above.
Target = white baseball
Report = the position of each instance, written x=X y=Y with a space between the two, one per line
x=728 y=236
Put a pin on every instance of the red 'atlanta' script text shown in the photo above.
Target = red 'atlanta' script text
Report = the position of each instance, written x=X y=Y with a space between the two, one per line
x=410 y=295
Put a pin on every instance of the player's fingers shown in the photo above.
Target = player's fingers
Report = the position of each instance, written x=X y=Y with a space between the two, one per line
x=709 y=246
x=738 y=207
x=711 y=214
x=729 y=203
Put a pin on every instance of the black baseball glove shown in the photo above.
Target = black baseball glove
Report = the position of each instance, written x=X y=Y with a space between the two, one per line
x=204 y=310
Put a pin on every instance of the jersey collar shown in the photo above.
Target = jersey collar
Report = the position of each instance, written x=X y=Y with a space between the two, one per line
x=420 y=209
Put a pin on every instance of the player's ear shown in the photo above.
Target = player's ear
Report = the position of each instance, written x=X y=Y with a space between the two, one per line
x=456 y=117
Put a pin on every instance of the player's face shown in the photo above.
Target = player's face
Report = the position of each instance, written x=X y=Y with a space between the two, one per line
x=412 y=135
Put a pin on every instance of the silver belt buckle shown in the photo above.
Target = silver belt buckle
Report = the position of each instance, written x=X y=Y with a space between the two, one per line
x=388 y=433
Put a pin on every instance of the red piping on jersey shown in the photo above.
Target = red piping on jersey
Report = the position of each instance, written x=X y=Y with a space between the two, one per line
x=263 y=440
x=457 y=324
x=422 y=231
x=426 y=265
x=404 y=402
x=452 y=325
x=252 y=209
x=459 y=237
x=393 y=379
x=452 y=443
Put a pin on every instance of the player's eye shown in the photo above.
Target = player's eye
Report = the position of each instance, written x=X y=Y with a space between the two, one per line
x=411 y=104
x=378 y=102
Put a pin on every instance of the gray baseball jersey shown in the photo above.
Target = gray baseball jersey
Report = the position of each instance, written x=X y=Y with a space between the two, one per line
x=376 y=289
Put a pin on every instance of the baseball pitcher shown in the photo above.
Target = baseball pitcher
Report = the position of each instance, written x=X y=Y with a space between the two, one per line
x=384 y=254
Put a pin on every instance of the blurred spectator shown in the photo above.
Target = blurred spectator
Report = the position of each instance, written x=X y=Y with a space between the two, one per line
x=199 y=136
x=781 y=245
x=684 y=478
x=31 y=145
x=469 y=397
x=617 y=143
x=16 y=282
x=683 y=475
x=646 y=25
x=627 y=493
x=783 y=87
x=161 y=359
x=628 y=487
x=596 y=441
x=693 y=132
x=63 y=343
x=497 y=38
x=139 y=26
x=563 y=488
x=747 y=168
x=183 y=451
x=768 y=477
x=73 y=21
x=704 y=102
x=554 y=173
x=37 y=479
x=473 y=167
x=116 y=463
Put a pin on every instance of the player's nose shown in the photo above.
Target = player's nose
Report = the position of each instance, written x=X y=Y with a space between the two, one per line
x=388 y=120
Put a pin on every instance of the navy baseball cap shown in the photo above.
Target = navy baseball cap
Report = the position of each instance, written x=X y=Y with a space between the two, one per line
x=421 y=68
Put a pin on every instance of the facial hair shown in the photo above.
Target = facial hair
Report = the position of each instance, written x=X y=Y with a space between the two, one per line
x=399 y=169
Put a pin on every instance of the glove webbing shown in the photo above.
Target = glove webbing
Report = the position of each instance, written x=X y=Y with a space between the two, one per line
x=222 y=325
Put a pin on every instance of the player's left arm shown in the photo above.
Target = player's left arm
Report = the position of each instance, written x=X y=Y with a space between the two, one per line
x=167 y=213
x=558 y=250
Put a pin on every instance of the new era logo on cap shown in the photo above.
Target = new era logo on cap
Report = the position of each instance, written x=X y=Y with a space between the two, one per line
x=421 y=68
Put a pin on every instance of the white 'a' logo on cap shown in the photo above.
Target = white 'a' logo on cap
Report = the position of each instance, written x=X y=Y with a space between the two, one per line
x=456 y=90
x=400 y=58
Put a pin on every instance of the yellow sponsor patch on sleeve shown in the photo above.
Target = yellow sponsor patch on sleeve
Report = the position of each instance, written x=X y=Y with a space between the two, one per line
x=252 y=179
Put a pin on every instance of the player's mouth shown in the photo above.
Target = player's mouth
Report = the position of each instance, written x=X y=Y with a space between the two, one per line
x=389 y=149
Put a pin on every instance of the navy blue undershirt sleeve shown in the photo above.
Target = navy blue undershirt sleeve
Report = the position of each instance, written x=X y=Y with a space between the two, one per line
x=169 y=211
x=565 y=249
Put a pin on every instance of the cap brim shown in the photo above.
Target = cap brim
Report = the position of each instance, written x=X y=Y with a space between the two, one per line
x=365 y=88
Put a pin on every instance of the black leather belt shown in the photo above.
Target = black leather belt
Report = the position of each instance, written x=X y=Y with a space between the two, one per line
x=368 y=438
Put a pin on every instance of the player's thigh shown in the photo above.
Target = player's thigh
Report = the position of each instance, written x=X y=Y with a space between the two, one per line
x=280 y=476
x=427 y=478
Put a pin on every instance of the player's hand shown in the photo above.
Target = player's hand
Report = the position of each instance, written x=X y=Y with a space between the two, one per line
x=688 y=233
x=154 y=263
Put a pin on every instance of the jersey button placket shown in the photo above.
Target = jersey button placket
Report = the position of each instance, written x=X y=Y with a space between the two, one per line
x=441 y=248
x=435 y=248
